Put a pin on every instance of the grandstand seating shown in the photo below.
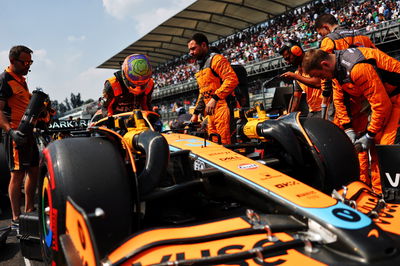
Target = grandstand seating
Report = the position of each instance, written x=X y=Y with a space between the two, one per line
x=177 y=77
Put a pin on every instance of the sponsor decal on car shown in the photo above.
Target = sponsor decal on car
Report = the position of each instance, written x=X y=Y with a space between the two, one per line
x=199 y=165
x=230 y=158
x=219 y=153
x=247 y=166
x=342 y=216
x=195 y=142
x=394 y=182
x=287 y=184
x=306 y=194
x=69 y=124
x=269 y=176
x=346 y=215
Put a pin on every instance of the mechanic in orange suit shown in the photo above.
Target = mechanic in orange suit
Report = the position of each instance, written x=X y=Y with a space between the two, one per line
x=216 y=80
x=339 y=38
x=368 y=73
x=293 y=54
x=335 y=38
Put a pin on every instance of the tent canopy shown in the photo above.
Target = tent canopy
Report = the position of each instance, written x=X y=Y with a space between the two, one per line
x=215 y=18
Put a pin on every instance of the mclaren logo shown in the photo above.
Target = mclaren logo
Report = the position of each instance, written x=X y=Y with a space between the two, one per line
x=374 y=233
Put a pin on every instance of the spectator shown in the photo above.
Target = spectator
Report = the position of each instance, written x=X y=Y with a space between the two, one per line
x=183 y=117
x=179 y=109
x=78 y=122
x=268 y=37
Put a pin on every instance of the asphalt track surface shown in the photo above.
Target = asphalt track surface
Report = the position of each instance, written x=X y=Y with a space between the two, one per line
x=10 y=252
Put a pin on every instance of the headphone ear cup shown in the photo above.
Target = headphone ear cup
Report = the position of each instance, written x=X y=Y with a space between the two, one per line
x=296 y=50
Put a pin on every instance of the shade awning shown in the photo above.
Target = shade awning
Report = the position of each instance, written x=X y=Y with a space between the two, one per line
x=215 y=18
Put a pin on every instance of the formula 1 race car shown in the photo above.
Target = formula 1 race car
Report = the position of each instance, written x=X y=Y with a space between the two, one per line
x=126 y=194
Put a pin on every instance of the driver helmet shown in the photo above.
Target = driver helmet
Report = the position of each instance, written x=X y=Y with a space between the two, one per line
x=136 y=73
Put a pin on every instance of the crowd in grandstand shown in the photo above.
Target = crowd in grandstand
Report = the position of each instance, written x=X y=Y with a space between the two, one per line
x=262 y=42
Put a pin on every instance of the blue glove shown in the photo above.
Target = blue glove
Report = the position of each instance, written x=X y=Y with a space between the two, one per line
x=364 y=143
x=17 y=136
x=351 y=134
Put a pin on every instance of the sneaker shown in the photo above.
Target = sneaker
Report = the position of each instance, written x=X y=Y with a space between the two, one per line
x=15 y=226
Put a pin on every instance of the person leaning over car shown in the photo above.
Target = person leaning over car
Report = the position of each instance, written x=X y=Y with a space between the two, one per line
x=335 y=38
x=368 y=73
x=293 y=54
x=22 y=151
x=216 y=80
x=130 y=88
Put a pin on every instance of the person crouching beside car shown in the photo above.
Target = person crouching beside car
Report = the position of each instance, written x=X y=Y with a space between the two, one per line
x=369 y=74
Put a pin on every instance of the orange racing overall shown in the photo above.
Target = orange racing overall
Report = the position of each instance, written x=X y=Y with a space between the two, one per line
x=371 y=75
x=314 y=95
x=218 y=88
x=341 y=39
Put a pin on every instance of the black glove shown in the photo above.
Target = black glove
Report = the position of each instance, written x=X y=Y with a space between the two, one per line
x=364 y=143
x=17 y=136
x=351 y=134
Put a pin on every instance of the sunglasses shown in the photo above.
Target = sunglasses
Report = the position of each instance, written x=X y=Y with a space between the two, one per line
x=25 y=63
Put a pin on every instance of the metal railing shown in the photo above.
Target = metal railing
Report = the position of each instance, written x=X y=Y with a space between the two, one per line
x=266 y=98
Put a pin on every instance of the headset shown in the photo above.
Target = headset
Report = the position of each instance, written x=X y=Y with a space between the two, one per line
x=293 y=47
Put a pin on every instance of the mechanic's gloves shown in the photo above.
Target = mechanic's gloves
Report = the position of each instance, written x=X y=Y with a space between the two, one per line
x=364 y=143
x=17 y=136
x=351 y=134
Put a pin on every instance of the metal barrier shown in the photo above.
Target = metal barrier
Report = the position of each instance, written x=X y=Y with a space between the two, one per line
x=169 y=115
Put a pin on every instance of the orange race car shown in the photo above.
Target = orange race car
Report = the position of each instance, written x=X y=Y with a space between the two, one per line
x=126 y=194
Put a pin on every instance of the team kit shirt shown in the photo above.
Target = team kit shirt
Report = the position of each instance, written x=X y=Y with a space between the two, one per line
x=14 y=92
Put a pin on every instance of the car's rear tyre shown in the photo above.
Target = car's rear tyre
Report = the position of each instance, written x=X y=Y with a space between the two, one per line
x=92 y=172
x=335 y=151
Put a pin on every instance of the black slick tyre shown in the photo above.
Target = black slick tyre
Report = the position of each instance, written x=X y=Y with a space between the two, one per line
x=335 y=153
x=92 y=172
